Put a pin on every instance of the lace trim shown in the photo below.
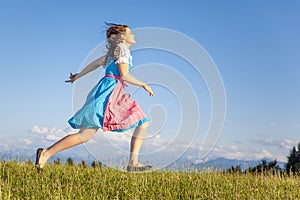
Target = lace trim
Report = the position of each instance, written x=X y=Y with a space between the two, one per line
x=122 y=54
x=122 y=60
x=125 y=59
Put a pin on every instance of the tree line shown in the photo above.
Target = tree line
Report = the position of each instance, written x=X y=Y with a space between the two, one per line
x=292 y=166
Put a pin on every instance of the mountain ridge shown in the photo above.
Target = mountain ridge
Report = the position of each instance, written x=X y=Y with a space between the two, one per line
x=219 y=163
x=222 y=163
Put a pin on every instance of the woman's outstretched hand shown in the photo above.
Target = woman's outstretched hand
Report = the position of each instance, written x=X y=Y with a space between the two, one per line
x=72 y=78
x=148 y=89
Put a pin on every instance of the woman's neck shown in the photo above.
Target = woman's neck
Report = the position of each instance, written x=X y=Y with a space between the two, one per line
x=127 y=44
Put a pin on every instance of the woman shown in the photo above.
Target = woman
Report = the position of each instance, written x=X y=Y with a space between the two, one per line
x=106 y=106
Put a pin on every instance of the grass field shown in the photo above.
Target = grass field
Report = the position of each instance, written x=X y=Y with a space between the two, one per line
x=19 y=180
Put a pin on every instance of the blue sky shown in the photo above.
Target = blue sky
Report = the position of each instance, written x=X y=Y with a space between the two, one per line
x=254 y=44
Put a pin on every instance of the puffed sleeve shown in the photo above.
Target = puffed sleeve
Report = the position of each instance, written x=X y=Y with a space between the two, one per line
x=122 y=54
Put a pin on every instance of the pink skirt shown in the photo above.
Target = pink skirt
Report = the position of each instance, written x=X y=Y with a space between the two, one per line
x=121 y=111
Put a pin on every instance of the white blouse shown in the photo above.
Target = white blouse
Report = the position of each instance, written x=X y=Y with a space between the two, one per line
x=122 y=54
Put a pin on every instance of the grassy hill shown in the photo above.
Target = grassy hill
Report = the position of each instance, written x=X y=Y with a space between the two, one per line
x=19 y=180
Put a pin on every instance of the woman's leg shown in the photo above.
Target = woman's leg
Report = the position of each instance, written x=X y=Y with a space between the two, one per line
x=71 y=140
x=136 y=143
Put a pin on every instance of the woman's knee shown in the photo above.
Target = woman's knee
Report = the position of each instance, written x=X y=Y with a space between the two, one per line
x=144 y=125
x=86 y=134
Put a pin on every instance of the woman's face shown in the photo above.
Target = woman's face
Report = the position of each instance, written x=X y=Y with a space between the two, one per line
x=129 y=37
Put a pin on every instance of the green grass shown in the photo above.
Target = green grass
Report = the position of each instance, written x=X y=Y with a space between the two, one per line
x=19 y=180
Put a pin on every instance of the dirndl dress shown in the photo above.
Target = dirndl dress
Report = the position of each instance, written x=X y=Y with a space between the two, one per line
x=107 y=106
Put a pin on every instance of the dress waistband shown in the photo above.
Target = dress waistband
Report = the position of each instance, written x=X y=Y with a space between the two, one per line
x=112 y=76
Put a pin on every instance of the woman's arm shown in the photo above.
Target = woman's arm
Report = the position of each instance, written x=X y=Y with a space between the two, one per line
x=128 y=77
x=92 y=66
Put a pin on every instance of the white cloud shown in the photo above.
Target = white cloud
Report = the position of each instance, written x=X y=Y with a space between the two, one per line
x=285 y=143
x=231 y=152
x=233 y=148
x=263 y=154
x=247 y=153
x=27 y=141
x=39 y=130
x=50 y=134
x=23 y=142
x=266 y=141
x=52 y=137
x=288 y=144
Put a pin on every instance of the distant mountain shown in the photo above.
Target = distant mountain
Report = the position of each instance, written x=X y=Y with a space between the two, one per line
x=224 y=163
x=214 y=164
